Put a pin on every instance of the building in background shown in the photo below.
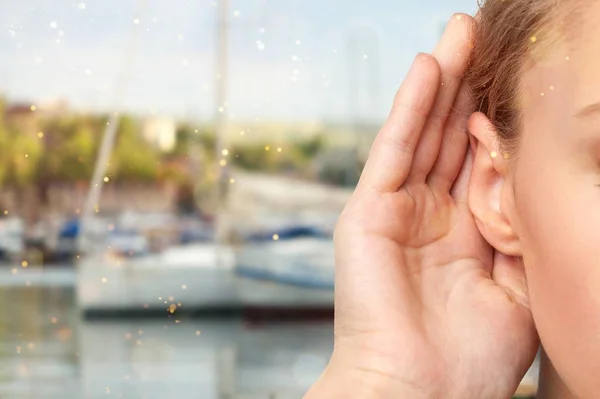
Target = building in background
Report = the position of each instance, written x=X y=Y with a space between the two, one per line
x=54 y=108
x=161 y=132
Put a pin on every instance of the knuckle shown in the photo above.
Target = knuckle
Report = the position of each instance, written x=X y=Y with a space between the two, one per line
x=403 y=144
x=420 y=110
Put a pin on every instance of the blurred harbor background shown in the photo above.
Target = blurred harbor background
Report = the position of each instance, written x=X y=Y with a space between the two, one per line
x=171 y=174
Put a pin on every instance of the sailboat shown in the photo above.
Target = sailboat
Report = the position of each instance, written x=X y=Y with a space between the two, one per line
x=193 y=276
x=295 y=270
x=286 y=262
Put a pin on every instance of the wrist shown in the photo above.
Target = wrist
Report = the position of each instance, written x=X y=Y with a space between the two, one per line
x=341 y=380
x=349 y=383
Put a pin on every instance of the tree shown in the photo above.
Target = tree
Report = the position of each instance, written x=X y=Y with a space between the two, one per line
x=312 y=146
x=25 y=153
x=70 y=149
x=183 y=140
x=4 y=153
x=296 y=157
x=133 y=159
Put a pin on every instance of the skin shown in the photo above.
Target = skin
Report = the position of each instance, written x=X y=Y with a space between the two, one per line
x=425 y=308
x=445 y=256
x=551 y=200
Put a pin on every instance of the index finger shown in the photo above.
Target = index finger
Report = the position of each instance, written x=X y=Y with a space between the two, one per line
x=392 y=152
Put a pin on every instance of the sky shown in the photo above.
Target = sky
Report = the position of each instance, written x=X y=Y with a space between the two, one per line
x=296 y=60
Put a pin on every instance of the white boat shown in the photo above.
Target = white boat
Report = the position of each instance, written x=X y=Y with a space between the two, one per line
x=11 y=238
x=196 y=276
x=304 y=262
x=294 y=273
x=286 y=267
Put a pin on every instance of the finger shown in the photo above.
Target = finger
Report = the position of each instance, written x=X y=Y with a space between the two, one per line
x=455 y=141
x=392 y=152
x=452 y=53
x=460 y=189
x=509 y=273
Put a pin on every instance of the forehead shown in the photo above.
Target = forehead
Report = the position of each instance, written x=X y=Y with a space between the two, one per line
x=566 y=71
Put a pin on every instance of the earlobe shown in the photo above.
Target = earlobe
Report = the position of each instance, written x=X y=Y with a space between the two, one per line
x=489 y=186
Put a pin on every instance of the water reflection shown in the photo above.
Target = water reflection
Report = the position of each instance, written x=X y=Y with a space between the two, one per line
x=39 y=349
x=48 y=351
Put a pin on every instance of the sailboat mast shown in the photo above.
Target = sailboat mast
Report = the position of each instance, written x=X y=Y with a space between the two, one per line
x=220 y=116
x=92 y=200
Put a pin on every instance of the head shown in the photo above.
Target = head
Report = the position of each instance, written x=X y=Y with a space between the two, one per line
x=535 y=187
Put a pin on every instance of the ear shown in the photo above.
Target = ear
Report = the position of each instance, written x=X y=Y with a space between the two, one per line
x=489 y=188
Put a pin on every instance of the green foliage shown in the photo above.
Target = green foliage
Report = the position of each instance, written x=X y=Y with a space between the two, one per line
x=252 y=157
x=295 y=157
x=183 y=140
x=19 y=154
x=26 y=152
x=188 y=138
x=207 y=140
x=71 y=145
x=311 y=147
x=68 y=148
x=133 y=159
x=4 y=165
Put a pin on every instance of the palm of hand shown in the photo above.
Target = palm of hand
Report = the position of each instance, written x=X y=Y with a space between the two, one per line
x=436 y=305
x=421 y=298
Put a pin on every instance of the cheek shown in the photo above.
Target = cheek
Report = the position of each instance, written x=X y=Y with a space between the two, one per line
x=557 y=217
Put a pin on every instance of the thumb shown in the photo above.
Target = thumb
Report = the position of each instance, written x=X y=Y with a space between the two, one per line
x=508 y=272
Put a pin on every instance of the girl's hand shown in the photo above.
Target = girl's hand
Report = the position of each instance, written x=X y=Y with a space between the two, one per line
x=424 y=307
